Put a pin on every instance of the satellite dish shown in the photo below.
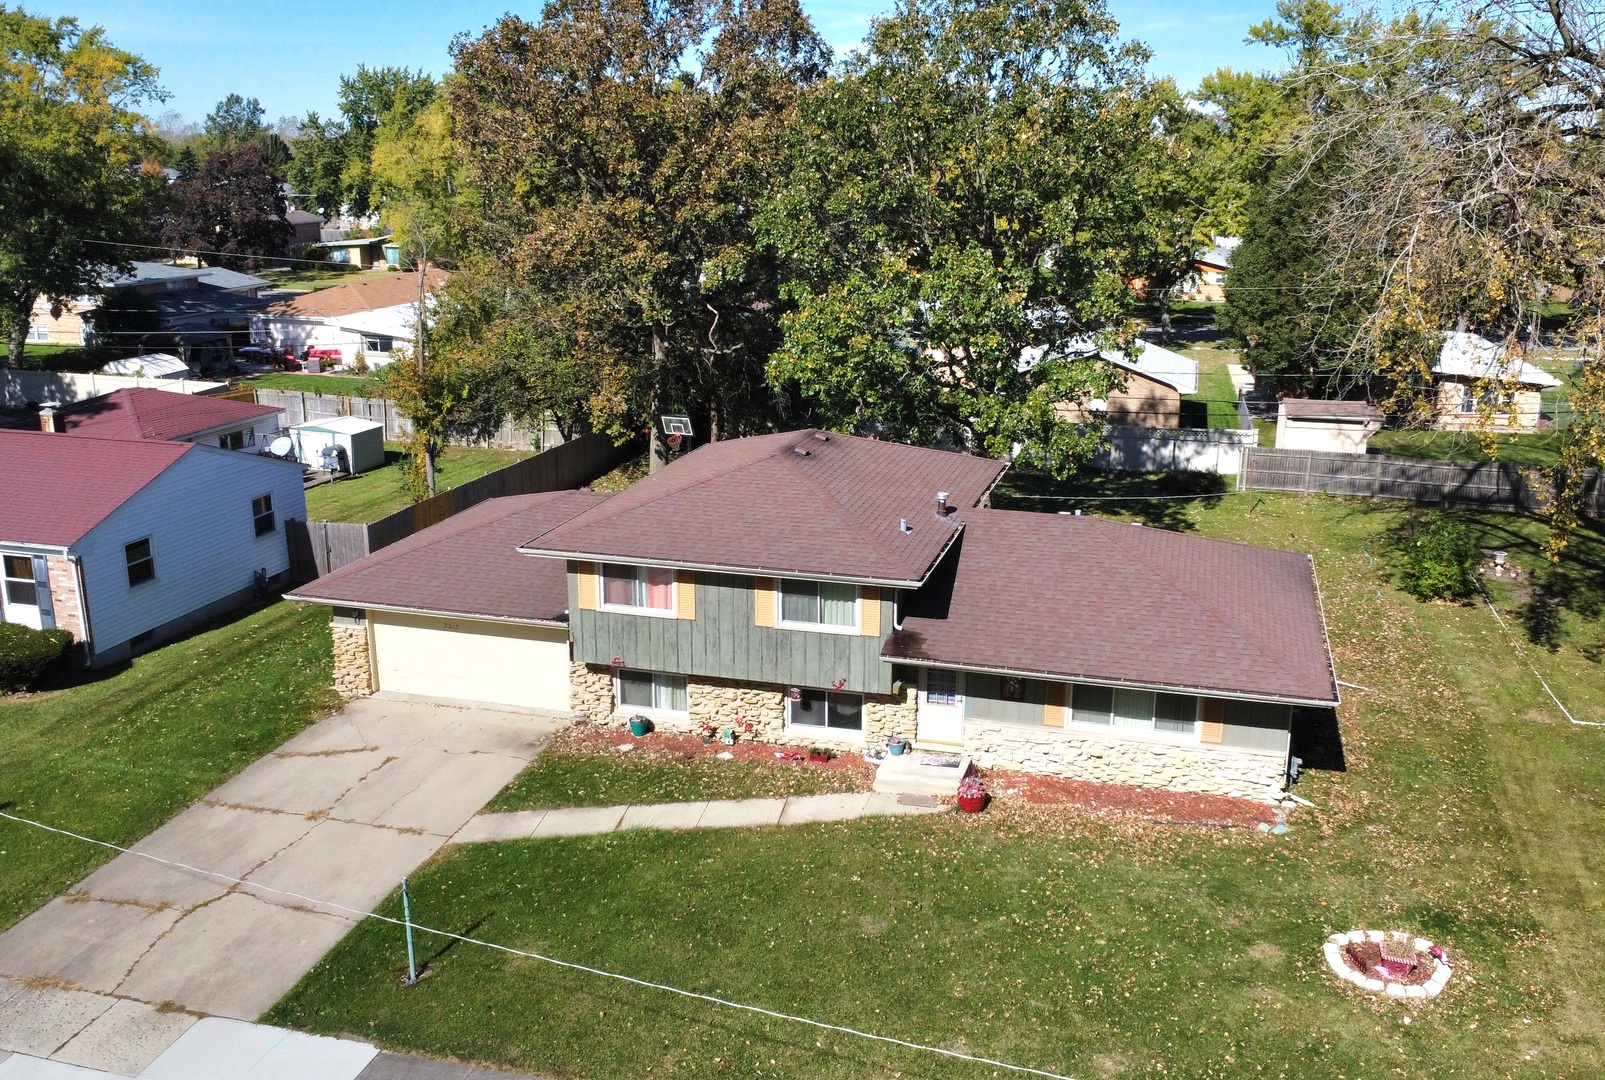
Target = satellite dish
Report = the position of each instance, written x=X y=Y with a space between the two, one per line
x=281 y=447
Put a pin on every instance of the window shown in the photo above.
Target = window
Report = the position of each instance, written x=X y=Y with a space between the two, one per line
x=640 y=588
x=262 y=514
x=1134 y=710
x=1495 y=400
x=825 y=710
x=38 y=333
x=942 y=687
x=377 y=343
x=237 y=440
x=650 y=690
x=1011 y=688
x=141 y=563
x=20 y=587
x=818 y=604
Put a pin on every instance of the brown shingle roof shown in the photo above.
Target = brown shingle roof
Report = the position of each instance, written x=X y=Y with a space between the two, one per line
x=369 y=294
x=138 y=413
x=1314 y=409
x=467 y=565
x=805 y=503
x=54 y=489
x=1086 y=598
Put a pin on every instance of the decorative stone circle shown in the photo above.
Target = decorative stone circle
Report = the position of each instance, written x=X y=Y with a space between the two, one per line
x=1337 y=943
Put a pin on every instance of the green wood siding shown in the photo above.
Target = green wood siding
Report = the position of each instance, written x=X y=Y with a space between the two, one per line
x=724 y=641
x=983 y=701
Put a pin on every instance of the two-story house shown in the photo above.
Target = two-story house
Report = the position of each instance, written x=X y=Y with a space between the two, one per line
x=831 y=589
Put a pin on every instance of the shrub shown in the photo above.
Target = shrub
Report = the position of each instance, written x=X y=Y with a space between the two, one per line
x=1440 y=561
x=28 y=655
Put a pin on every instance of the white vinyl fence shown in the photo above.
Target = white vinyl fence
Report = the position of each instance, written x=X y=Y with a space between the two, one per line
x=1140 y=449
x=18 y=388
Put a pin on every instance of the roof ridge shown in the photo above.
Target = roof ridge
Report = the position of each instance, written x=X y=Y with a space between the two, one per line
x=858 y=524
x=1221 y=618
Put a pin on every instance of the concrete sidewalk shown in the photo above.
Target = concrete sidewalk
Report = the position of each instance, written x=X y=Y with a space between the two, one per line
x=717 y=814
x=113 y=973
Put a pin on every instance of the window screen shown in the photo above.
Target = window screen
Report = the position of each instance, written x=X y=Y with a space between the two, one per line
x=1092 y=704
x=1175 y=712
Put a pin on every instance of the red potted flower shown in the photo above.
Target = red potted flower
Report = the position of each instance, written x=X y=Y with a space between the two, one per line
x=972 y=795
x=820 y=754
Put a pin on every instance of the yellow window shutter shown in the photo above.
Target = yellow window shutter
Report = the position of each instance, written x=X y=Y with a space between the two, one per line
x=869 y=611
x=685 y=584
x=586 y=574
x=763 y=601
x=1214 y=726
x=1053 y=704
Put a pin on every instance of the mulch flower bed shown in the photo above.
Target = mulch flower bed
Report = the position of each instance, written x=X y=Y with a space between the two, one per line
x=1366 y=958
x=1149 y=804
x=583 y=738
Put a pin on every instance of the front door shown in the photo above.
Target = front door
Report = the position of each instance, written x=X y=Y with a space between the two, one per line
x=941 y=708
x=19 y=593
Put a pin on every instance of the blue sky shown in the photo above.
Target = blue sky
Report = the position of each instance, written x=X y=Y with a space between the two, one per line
x=290 y=54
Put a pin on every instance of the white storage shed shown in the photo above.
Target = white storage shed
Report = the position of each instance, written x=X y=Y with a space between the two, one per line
x=360 y=443
x=149 y=366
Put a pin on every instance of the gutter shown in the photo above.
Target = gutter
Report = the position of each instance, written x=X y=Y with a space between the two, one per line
x=83 y=607
x=1091 y=681
x=401 y=610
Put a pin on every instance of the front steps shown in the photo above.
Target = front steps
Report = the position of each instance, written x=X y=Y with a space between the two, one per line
x=908 y=774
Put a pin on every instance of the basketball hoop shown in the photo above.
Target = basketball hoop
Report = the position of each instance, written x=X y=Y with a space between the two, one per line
x=673 y=440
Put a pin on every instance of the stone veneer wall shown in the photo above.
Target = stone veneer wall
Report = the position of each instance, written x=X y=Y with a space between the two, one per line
x=1174 y=767
x=723 y=702
x=590 y=690
x=353 y=660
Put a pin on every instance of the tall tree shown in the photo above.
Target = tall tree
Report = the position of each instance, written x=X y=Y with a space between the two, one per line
x=976 y=183
x=231 y=213
x=620 y=148
x=332 y=173
x=240 y=121
x=73 y=183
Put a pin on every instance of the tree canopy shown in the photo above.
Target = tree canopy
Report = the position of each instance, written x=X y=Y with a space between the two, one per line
x=982 y=179
x=231 y=212
x=74 y=179
x=332 y=171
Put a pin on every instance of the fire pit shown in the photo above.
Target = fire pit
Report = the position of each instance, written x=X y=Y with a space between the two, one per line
x=1396 y=964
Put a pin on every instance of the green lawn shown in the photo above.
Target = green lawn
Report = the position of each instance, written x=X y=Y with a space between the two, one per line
x=338 y=385
x=115 y=756
x=1537 y=448
x=1215 y=391
x=1466 y=809
x=563 y=777
x=380 y=492
x=66 y=357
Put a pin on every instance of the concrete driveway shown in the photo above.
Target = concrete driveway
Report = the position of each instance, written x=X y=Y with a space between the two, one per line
x=112 y=973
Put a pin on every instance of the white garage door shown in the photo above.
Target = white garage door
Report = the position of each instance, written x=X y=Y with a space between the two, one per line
x=498 y=663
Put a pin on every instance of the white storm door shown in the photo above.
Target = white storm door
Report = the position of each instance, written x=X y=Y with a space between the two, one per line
x=941 y=708
x=19 y=592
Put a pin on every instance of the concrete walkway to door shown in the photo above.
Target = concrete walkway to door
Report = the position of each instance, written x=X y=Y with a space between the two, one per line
x=114 y=972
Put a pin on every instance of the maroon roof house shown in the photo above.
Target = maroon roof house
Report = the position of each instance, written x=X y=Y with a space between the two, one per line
x=141 y=413
x=828 y=589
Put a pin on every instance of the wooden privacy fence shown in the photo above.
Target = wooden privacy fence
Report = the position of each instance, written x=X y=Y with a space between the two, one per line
x=1493 y=484
x=318 y=547
x=301 y=406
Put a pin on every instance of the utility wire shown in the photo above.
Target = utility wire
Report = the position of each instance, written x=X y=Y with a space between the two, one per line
x=1506 y=630
x=360 y=915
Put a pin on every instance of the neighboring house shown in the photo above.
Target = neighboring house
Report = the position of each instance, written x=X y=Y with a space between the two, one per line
x=839 y=590
x=140 y=413
x=1479 y=381
x=1156 y=380
x=306 y=229
x=129 y=542
x=1343 y=427
x=365 y=319
x=1208 y=279
x=179 y=293
x=363 y=253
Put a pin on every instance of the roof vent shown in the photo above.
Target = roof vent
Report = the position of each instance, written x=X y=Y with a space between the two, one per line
x=822 y=436
x=941 y=503
x=801 y=451
x=904 y=527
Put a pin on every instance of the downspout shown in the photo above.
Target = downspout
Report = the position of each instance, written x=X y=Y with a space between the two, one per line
x=83 y=607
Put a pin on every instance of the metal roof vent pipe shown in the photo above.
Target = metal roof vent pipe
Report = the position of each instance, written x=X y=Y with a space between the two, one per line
x=941 y=503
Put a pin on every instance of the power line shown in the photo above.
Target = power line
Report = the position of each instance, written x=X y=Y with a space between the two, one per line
x=360 y=914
